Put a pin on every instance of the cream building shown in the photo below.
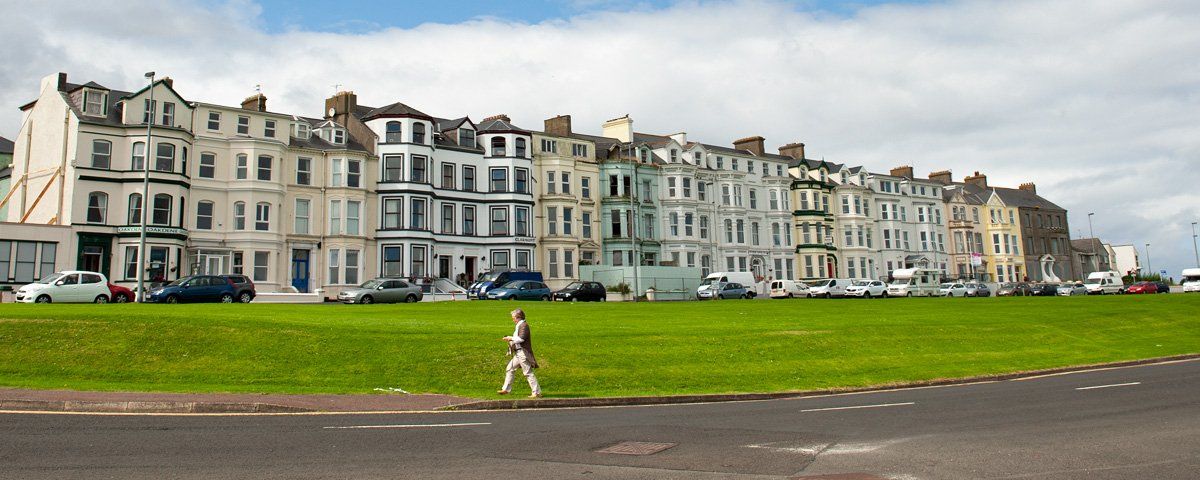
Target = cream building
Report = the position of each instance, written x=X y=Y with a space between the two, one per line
x=566 y=191
x=1003 y=258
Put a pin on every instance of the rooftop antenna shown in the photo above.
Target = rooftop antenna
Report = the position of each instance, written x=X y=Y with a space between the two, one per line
x=258 y=88
x=337 y=87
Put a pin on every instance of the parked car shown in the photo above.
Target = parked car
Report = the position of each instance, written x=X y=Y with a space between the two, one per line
x=244 y=287
x=834 y=287
x=726 y=291
x=1163 y=287
x=952 y=290
x=789 y=289
x=978 y=290
x=1014 y=290
x=119 y=294
x=1072 y=289
x=867 y=289
x=1191 y=280
x=72 y=286
x=499 y=278
x=521 y=290
x=382 y=290
x=1104 y=283
x=914 y=282
x=582 y=292
x=1044 y=289
x=1142 y=287
x=195 y=289
x=721 y=278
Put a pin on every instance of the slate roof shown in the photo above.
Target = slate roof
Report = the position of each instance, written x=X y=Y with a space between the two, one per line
x=1087 y=245
x=315 y=142
x=393 y=109
x=499 y=125
x=972 y=194
x=1015 y=197
x=6 y=146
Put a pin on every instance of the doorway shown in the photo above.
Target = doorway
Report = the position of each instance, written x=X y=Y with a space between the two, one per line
x=444 y=267
x=470 y=268
x=300 y=258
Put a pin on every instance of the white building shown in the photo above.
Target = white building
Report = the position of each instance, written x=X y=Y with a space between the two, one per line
x=911 y=221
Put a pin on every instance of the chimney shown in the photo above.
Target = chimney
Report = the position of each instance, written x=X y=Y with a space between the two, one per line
x=753 y=144
x=1029 y=187
x=559 y=126
x=619 y=128
x=497 y=117
x=794 y=150
x=680 y=138
x=171 y=83
x=256 y=102
x=905 y=171
x=979 y=180
x=943 y=177
x=339 y=105
x=62 y=81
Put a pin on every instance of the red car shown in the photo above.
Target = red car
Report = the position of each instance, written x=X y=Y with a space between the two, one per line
x=1142 y=287
x=120 y=294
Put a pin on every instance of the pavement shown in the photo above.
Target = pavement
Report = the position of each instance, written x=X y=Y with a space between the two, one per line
x=1115 y=423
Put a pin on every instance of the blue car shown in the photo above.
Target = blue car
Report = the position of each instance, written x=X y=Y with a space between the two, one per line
x=195 y=289
x=521 y=290
x=499 y=278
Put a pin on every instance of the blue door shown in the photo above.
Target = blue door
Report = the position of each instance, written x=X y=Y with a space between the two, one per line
x=300 y=270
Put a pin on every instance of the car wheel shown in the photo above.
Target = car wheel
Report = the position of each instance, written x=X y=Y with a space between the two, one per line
x=245 y=297
x=122 y=298
x=866 y=294
x=604 y=298
x=172 y=299
x=367 y=300
x=909 y=294
x=808 y=295
x=43 y=299
x=885 y=294
x=573 y=300
x=545 y=298
x=410 y=299
x=226 y=298
x=101 y=299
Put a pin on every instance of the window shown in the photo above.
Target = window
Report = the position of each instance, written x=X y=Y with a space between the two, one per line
x=549 y=146
x=466 y=137
x=448 y=176
x=302 y=213
x=138 y=159
x=499 y=180
x=725 y=198
x=264 y=168
x=208 y=165
x=101 y=154
x=674 y=156
x=702 y=191
x=303 y=170
x=522 y=221
x=753 y=198
x=262 y=216
x=97 y=210
x=499 y=259
x=353 y=212
x=261 y=262
x=214 y=120
x=616 y=223
x=243 y=166
x=391 y=212
x=521 y=180
x=569 y=263
x=204 y=215
x=523 y=259
x=468 y=175
x=579 y=150
x=148 y=109
x=674 y=224
x=671 y=187
x=468 y=220
x=161 y=213
x=551 y=224
x=688 y=219
x=498 y=147
x=566 y=183
x=648 y=225
x=239 y=216
x=392 y=261
x=93 y=104
x=335 y=173
x=416 y=214
x=647 y=192
x=335 y=217
x=392 y=134
x=392 y=168
x=704 y=226
x=733 y=164
x=339 y=136
x=613 y=186
x=728 y=231
x=419 y=168
x=521 y=147
x=585 y=187
x=754 y=233
x=164 y=158
x=499 y=221
x=243 y=125
x=418 y=134
x=168 y=114
x=352 y=267
x=135 y=210
x=687 y=187
x=737 y=195
x=335 y=271
x=586 y=220
x=269 y=128
x=553 y=254
x=448 y=218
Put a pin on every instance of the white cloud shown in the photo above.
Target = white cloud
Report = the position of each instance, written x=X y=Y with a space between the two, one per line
x=1094 y=100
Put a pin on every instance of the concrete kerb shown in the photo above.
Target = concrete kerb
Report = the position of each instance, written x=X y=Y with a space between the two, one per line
x=145 y=407
x=741 y=397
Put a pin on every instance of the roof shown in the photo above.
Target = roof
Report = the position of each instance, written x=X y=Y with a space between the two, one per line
x=315 y=142
x=499 y=125
x=972 y=194
x=1015 y=197
x=1087 y=245
x=444 y=124
x=6 y=146
x=395 y=109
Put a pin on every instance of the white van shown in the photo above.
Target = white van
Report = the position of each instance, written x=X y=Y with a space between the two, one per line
x=1191 y=280
x=720 y=278
x=789 y=289
x=72 y=286
x=1104 y=283
x=834 y=287
x=914 y=282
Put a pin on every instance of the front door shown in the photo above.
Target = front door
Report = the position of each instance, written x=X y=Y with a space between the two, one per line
x=300 y=270
x=91 y=257
x=444 y=266
x=470 y=268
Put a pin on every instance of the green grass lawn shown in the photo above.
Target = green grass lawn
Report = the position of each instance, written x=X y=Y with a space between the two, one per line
x=584 y=349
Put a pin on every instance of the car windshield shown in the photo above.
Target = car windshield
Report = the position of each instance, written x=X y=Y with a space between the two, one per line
x=947 y=285
x=1007 y=285
x=822 y=283
x=50 y=278
x=371 y=284
x=574 y=286
x=179 y=282
x=860 y=283
x=513 y=285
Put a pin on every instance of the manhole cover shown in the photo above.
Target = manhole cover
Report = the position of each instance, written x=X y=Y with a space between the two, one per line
x=842 y=476
x=636 y=448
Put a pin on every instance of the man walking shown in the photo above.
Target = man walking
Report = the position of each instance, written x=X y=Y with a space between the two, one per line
x=520 y=346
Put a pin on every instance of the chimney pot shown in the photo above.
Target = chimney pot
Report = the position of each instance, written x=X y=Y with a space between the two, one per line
x=1030 y=187
x=256 y=102
x=559 y=126
x=500 y=116
x=794 y=150
x=905 y=171
x=943 y=177
x=978 y=179
x=753 y=144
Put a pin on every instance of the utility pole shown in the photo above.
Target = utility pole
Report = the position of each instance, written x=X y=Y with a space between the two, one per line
x=144 y=210
x=1194 y=248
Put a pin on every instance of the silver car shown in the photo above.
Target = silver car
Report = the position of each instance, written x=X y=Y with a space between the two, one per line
x=382 y=290
x=978 y=290
x=1072 y=289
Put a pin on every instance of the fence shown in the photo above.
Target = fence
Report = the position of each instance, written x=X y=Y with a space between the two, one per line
x=669 y=283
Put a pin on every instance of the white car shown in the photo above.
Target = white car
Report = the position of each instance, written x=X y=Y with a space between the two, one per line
x=952 y=290
x=867 y=289
x=71 y=286
x=789 y=289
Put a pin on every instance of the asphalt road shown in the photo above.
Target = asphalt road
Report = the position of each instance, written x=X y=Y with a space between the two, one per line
x=1140 y=422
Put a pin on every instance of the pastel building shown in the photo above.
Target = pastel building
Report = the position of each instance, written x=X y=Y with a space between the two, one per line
x=567 y=196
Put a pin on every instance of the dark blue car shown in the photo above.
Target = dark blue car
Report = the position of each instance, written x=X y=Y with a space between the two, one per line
x=195 y=289
x=521 y=290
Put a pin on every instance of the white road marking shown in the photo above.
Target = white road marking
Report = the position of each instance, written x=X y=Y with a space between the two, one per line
x=1109 y=386
x=415 y=425
x=859 y=406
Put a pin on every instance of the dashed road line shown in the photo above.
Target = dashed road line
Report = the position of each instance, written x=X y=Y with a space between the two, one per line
x=859 y=406
x=1109 y=386
x=415 y=425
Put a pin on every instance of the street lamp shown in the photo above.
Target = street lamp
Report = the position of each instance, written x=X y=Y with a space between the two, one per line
x=1149 y=268
x=141 y=261
x=1194 y=248
x=1092 y=233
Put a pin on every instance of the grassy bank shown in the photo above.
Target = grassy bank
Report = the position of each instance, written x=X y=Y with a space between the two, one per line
x=584 y=349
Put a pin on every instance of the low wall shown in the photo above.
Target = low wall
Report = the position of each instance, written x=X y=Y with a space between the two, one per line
x=315 y=297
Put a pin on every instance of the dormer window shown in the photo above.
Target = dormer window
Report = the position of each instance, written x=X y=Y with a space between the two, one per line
x=696 y=157
x=339 y=136
x=845 y=178
x=862 y=179
x=466 y=138
x=168 y=114
x=148 y=110
x=803 y=173
x=94 y=102
x=302 y=130
x=674 y=155
x=824 y=176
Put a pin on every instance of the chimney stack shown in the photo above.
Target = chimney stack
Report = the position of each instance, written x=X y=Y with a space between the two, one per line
x=943 y=177
x=339 y=105
x=256 y=102
x=905 y=171
x=498 y=117
x=753 y=144
x=978 y=179
x=171 y=83
x=1029 y=187
x=559 y=126
x=62 y=81
x=619 y=128
x=794 y=150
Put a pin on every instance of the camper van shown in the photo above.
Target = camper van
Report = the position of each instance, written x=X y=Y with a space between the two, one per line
x=1191 y=280
x=1104 y=283
x=717 y=279
x=914 y=282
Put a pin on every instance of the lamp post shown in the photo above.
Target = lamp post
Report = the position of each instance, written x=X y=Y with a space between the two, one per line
x=1195 y=249
x=1149 y=268
x=1092 y=233
x=141 y=260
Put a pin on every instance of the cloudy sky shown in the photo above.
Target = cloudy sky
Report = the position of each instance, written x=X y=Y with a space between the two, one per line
x=1098 y=102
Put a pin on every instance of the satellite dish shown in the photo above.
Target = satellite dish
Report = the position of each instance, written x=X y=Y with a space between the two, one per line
x=332 y=111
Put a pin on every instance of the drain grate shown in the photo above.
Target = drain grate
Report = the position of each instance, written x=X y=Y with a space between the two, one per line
x=636 y=448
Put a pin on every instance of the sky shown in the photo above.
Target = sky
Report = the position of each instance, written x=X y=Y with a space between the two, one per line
x=1094 y=101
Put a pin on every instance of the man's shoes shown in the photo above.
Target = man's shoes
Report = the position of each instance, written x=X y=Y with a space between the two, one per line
x=536 y=395
x=502 y=392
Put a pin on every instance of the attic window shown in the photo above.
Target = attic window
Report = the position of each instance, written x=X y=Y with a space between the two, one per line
x=674 y=155
x=94 y=102
x=466 y=137
x=302 y=130
x=339 y=136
